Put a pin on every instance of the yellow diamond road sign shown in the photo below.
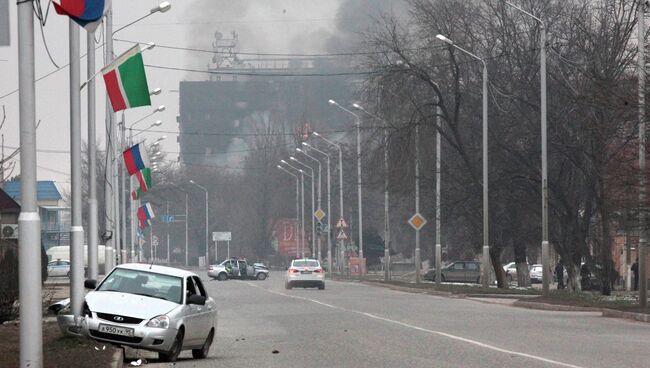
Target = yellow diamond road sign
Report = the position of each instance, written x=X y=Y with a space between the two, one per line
x=417 y=221
x=319 y=214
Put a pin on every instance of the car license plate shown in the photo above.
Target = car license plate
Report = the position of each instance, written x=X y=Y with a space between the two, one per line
x=305 y=272
x=115 y=330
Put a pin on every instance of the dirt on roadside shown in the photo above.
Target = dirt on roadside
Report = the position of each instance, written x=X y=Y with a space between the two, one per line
x=58 y=351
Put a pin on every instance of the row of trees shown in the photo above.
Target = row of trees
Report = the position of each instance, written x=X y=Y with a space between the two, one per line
x=592 y=126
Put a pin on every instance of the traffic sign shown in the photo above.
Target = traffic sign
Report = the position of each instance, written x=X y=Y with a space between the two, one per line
x=342 y=235
x=341 y=223
x=417 y=221
x=319 y=214
x=221 y=236
x=167 y=218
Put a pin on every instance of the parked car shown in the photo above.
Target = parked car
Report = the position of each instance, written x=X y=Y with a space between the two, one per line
x=238 y=269
x=463 y=271
x=156 y=308
x=305 y=273
x=58 y=268
x=511 y=271
x=536 y=273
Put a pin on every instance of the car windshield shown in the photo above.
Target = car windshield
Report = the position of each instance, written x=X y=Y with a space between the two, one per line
x=305 y=263
x=144 y=283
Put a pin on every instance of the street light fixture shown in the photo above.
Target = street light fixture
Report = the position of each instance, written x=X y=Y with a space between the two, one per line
x=386 y=194
x=161 y=8
x=207 y=244
x=486 y=246
x=341 y=252
x=359 y=193
x=155 y=92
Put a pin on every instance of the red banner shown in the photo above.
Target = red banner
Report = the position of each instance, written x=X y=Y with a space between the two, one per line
x=287 y=235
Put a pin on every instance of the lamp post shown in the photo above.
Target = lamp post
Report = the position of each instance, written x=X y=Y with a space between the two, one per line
x=359 y=193
x=329 y=206
x=642 y=252
x=545 y=240
x=341 y=251
x=319 y=193
x=486 y=246
x=302 y=205
x=313 y=209
x=386 y=194
x=207 y=245
x=297 y=205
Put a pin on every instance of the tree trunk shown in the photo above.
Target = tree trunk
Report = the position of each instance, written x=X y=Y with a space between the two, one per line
x=523 y=276
x=573 y=282
x=499 y=273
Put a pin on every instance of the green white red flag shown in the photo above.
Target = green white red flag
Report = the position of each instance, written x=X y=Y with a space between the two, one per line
x=126 y=81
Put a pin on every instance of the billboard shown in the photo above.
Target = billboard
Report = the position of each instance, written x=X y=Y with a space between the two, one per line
x=286 y=239
x=4 y=23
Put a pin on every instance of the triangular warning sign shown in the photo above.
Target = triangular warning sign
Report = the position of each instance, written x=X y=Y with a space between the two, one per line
x=341 y=223
x=342 y=235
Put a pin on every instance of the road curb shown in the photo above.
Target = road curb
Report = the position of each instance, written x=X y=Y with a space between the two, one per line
x=641 y=317
x=554 y=307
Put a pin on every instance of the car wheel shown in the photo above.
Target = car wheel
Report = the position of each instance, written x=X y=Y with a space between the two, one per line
x=321 y=286
x=175 y=351
x=261 y=276
x=222 y=277
x=287 y=286
x=203 y=352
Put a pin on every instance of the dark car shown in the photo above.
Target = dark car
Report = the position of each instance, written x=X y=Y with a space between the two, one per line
x=461 y=271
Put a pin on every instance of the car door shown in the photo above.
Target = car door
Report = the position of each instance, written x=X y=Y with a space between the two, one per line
x=471 y=272
x=205 y=312
x=193 y=317
x=457 y=272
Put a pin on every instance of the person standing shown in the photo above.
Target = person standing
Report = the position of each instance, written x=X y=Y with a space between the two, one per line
x=635 y=272
x=559 y=274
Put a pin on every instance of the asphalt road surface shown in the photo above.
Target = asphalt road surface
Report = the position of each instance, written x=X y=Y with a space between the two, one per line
x=353 y=325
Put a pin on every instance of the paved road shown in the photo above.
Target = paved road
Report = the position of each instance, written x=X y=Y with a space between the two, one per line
x=354 y=325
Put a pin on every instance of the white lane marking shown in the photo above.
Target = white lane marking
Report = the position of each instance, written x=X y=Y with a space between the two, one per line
x=425 y=330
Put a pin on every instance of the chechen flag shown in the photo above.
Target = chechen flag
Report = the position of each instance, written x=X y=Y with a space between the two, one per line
x=145 y=214
x=86 y=13
x=126 y=81
x=136 y=158
x=144 y=178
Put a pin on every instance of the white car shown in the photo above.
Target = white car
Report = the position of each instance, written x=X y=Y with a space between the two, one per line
x=151 y=307
x=58 y=268
x=305 y=273
x=536 y=273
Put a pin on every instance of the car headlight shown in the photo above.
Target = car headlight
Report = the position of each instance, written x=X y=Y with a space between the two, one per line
x=159 y=322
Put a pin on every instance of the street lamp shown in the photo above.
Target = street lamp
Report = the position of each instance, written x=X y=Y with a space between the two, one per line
x=486 y=246
x=545 y=240
x=302 y=204
x=207 y=245
x=313 y=209
x=386 y=197
x=341 y=252
x=329 y=206
x=319 y=193
x=359 y=193
x=161 y=8
x=297 y=205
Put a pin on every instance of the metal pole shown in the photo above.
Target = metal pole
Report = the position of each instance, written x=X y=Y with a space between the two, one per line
x=187 y=220
x=168 y=222
x=302 y=213
x=228 y=244
x=207 y=240
x=298 y=228
x=386 y=208
x=486 y=247
x=341 y=241
x=329 y=218
x=418 y=264
x=313 y=222
x=438 y=204
x=110 y=117
x=132 y=204
x=123 y=189
x=359 y=192
x=545 y=239
x=93 y=268
x=643 y=259
x=116 y=193
x=76 y=229
x=29 y=254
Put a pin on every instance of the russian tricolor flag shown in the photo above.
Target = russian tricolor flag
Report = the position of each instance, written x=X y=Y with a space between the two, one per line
x=136 y=158
x=145 y=214
x=86 y=13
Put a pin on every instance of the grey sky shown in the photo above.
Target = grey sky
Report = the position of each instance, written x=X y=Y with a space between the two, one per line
x=271 y=26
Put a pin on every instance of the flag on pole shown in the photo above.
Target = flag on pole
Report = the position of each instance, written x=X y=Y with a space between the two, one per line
x=86 y=13
x=126 y=81
x=145 y=214
x=144 y=178
x=136 y=158
x=136 y=194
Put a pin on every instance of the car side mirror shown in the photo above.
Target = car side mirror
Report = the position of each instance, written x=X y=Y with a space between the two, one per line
x=90 y=284
x=196 y=299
